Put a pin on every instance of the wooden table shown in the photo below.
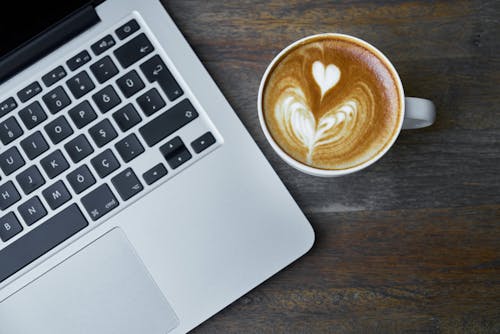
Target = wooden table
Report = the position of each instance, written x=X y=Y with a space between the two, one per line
x=412 y=244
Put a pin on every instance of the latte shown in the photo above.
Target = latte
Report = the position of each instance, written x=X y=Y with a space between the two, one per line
x=332 y=103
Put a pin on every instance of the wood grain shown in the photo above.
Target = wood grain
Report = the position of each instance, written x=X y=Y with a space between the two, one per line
x=412 y=244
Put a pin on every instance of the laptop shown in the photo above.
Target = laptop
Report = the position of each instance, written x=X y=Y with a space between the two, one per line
x=132 y=198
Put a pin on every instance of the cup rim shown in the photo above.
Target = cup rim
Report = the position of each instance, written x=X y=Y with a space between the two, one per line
x=318 y=171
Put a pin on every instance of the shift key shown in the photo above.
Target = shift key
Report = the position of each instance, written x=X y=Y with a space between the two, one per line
x=41 y=240
x=167 y=123
x=99 y=202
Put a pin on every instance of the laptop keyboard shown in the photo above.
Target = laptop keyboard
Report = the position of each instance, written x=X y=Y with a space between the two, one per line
x=89 y=137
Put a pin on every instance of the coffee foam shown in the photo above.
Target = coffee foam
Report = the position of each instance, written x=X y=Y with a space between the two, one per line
x=331 y=103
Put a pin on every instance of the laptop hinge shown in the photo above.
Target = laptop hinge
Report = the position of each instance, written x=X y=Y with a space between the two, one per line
x=48 y=41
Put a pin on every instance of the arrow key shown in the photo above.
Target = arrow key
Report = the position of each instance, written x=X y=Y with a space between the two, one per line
x=203 y=142
x=154 y=174
x=178 y=157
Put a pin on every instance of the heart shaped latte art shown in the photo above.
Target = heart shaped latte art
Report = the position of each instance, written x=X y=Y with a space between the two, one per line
x=299 y=123
x=326 y=77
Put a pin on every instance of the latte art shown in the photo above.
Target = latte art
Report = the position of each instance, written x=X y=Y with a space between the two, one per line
x=326 y=77
x=331 y=104
x=298 y=124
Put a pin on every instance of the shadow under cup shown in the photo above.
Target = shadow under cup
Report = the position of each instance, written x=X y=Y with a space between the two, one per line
x=331 y=104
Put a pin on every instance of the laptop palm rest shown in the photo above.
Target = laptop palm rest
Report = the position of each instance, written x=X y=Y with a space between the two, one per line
x=104 y=288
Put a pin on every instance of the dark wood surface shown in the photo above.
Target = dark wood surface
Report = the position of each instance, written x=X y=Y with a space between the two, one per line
x=412 y=244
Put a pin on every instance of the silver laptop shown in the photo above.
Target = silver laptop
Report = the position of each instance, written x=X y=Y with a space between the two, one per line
x=132 y=198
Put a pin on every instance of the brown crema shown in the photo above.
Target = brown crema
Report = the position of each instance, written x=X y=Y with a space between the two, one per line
x=332 y=103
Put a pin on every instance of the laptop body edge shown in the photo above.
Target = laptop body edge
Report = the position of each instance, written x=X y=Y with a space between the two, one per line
x=242 y=224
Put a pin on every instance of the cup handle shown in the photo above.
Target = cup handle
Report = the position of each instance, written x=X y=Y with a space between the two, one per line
x=419 y=113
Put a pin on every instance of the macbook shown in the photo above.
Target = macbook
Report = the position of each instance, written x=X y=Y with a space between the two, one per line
x=132 y=199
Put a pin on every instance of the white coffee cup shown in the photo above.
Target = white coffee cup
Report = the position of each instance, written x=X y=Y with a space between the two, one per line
x=417 y=113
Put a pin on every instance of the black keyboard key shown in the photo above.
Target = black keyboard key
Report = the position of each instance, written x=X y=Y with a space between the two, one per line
x=127 y=29
x=56 y=195
x=154 y=174
x=104 y=69
x=81 y=179
x=127 y=117
x=103 y=44
x=155 y=70
x=175 y=152
x=30 y=180
x=80 y=84
x=58 y=130
x=7 y=106
x=127 y=184
x=167 y=123
x=202 y=143
x=130 y=83
x=78 y=148
x=29 y=91
x=34 y=145
x=132 y=51
x=9 y=227
x=129 y=148
x=32 y=115
x=54 y=164
x=99 y=202
x=105 y=163
x=8 y=195
x=150 y=102
x=10 y=130
x=178 y=158
x=11 y=160
x=106 y=99
x=54 y=76
x=32 y=210
x=82 y=114
x=79 y=60
x=40 y=240
x=56 y=100
x=171 y=146
x=102 y=133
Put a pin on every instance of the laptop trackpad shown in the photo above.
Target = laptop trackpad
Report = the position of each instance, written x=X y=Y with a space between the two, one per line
x=104 y=288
